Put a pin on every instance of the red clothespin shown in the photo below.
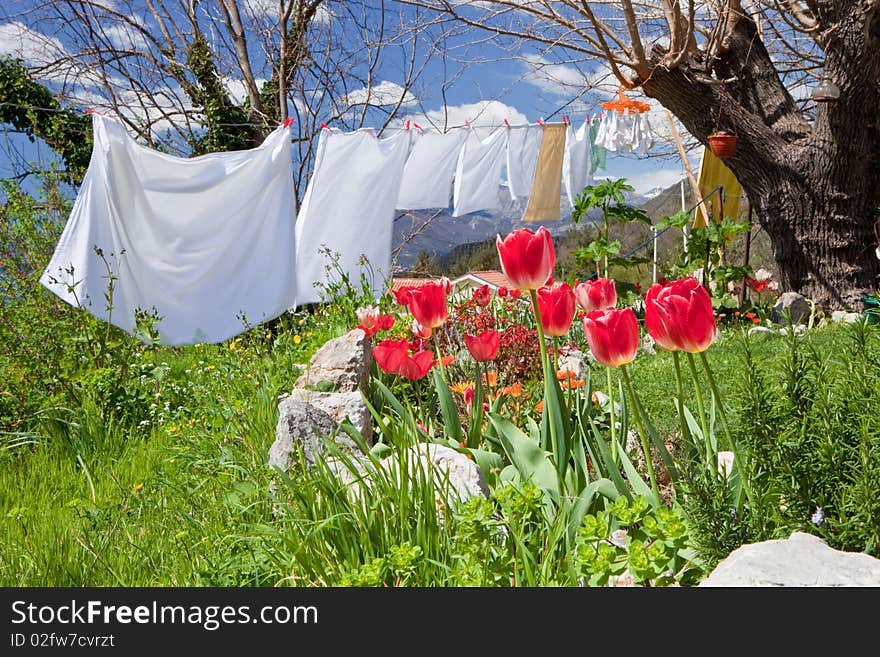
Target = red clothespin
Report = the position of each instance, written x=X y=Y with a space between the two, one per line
x=91 y=111
x=467 y=123
x=416 y=125
x=325 y=126
x=288 y=122
x=539 y=121
x=506 y=123
x=406 y=125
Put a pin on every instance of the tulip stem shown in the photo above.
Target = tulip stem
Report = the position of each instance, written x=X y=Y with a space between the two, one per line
x=643 y=434
x=718 y=403
x=440 y=360
x=613 y=420
x=704 y=419
x=685 y=433
x=541 y=340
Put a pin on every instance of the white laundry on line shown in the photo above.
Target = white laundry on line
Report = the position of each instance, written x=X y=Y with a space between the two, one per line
x=348 y=208
x=205 y=241
x=478 y=172
x=576 y=162
x=524 y=142
x=427 y=176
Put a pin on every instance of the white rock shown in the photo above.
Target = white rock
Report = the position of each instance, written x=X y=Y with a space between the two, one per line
x=339 y=406
x=343 y=362
x=755 y=330
x=573 y=362
x=801 y=560
x=845 y=317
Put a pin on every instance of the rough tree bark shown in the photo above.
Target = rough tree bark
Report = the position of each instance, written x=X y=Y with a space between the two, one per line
x=815 y=188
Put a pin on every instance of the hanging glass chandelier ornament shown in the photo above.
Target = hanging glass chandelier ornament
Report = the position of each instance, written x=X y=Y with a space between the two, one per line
x=826 y=90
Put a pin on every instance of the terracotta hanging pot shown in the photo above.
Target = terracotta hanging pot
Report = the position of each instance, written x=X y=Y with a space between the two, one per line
x=723 y=144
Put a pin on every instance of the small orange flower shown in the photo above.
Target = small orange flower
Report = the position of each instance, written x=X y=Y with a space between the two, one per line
x=461 y=386
x=445 y=361
x=755 y=320
x=514 y=391
x=750 y=315
x=562 y=375
x=539 y=407
x=572 y=385
x=491 y=378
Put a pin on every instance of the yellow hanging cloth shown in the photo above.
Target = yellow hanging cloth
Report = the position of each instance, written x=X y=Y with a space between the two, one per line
x=547 y=188
x=713 y=172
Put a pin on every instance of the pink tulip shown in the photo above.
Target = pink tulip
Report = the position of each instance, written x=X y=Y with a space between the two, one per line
x=527 y=258
x=428 y=304
x=679 y=316
x=596 y=295
x=613 y=335
x=557 y=309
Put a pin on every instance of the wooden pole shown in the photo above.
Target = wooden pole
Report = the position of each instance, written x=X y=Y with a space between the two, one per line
x=687 y=165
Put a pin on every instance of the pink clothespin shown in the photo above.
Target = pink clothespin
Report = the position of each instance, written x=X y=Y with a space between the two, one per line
x=506 y=123
x=565 y=119
x=406 y=125
x=467 y=123
x=539 y=121
x=91 y=111
x=325 y=126
x=416 y=125
x=288 y=122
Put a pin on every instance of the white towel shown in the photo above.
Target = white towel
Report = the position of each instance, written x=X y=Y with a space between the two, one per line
x=478 y=173
x=348 y=208
x=206 y=241
x=429 y=170
x=524 y=142
x=576 y=163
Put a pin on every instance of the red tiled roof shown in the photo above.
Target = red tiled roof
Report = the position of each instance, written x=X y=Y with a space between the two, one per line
x=493 y=277
x=398 y=284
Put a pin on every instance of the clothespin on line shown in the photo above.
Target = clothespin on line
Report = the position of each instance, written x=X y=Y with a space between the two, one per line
x=325 y=126
x=539 y=121
x=507 y=123
x=289 y=121
x=467 y=123
x=418 y=127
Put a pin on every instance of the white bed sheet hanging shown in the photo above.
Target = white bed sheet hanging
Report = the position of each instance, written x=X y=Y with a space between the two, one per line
x=348 y=208
x=206 y=241
x=576 y=162
x=429 y=170
x=524 y=142
x=478 y=172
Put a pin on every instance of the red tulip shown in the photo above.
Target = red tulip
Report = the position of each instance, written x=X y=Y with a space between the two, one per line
x=483 y=295
x=613 y=335
x=401 y=296
x=502 y=291
x=557 y=309
x=516 y=294
x=428 y=304
x=417 y=365
x=527 y=258
x=483 y=346
x=679 y=316
x=368 y=317
x=469 y=396
x=389 y=354
x=385 y=322
x=596 y=295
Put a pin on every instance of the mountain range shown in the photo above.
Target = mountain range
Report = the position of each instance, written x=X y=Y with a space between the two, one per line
x=437 y=232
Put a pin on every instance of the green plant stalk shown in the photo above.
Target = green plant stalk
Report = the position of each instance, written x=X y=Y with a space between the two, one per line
x=613 y=420
x=643 y=434
x=718 y=401
x=541 y=340
x=548 y=398
x=440 y=360
x=685 y=433
x=704 y=419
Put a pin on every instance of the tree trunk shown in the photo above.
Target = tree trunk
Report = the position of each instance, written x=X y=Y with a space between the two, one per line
x=814 y=187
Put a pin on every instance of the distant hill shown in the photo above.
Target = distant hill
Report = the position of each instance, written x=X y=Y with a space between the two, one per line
x=437 y=233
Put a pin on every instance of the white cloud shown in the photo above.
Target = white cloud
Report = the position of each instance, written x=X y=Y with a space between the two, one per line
x=483 y=115
x=645 y=182
x=269 y=9
x=382 y=94
x=237 y=89
x=555 y=79
x=33 y=48
x=125 y=37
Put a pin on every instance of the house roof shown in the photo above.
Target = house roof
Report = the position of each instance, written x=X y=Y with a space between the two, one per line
x=398 y=284
x=491 y=277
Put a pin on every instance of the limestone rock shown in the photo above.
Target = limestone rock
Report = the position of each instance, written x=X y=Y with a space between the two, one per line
x=573 y=362
x=339 y=405
x=793 y=303
x=344 y=362
x=755 y=330
x=301 y=423
x=465 y=478
x=845 y=317
x=800 y=560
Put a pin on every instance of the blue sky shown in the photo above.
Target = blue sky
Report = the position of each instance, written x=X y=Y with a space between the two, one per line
x=485 y=83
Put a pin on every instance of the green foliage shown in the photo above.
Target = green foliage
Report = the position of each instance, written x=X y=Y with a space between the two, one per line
x=609 y=197
x=68 y=132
